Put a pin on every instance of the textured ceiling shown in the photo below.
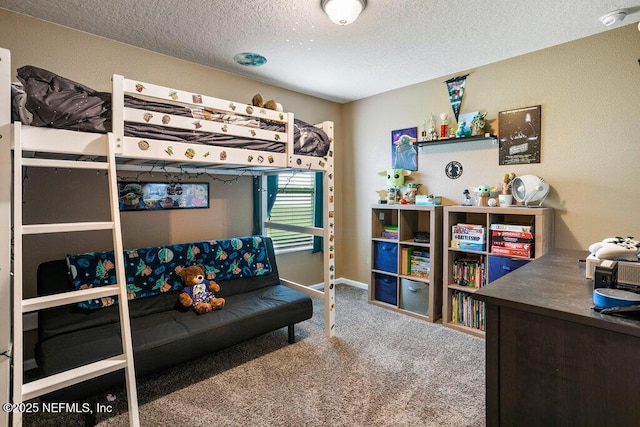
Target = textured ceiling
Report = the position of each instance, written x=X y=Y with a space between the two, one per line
x=394 y=43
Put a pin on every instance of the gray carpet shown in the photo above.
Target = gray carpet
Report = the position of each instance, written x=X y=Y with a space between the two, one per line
x=382 y=369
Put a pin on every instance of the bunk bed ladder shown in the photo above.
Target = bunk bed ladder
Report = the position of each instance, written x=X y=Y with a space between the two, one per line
x=25 y=391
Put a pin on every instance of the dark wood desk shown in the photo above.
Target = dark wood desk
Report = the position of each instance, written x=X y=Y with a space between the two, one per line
x=552 y=360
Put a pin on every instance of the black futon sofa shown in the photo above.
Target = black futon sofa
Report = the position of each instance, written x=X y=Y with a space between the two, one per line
x=164 y=334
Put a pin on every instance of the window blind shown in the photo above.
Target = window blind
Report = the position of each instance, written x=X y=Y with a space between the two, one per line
x=293 y=206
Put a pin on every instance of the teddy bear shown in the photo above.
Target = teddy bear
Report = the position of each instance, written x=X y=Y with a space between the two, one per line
x=198 y=291
x=258 y=101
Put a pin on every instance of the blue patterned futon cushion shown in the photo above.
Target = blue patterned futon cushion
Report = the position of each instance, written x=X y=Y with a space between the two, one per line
x=153 y=270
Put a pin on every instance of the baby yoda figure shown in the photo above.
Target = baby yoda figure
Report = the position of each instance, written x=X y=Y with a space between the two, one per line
x=483 y=192
x=395 y=179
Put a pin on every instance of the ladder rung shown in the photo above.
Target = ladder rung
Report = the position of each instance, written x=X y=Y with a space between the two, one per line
x=56 y=300
x=66 y=227
x=64 y=164
x=72 y=376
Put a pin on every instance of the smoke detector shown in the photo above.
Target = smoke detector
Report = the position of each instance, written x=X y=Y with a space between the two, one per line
x=613 y=17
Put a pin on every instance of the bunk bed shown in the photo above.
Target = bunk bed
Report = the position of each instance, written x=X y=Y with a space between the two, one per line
x=147 y=125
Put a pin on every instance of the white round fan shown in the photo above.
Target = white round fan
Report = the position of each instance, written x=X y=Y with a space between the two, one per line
x=529 y=189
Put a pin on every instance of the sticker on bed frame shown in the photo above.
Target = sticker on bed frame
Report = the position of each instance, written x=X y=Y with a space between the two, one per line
x=260 y=159
x=143 y=145
x=232 y=106
x=190 y=153
x=197 y=124
x=250 y=158
x=147 y=117
x=270 y=159
x=224 y=128
x=169 y=150
x=253 y=132
x=173 y=95
x=223 y=155
x=197 y=99
x=277 y=137
x=321 y=163
x=166 y=119
x=140 y=87
x=206 y=154
x=249 y=109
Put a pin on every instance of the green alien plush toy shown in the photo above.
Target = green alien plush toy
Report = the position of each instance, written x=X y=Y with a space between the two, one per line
x=395 y=179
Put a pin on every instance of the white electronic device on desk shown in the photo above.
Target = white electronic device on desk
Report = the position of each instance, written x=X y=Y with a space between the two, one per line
x=624 y=250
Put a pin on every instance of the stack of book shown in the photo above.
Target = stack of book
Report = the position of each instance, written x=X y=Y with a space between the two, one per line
x=512 y=240
x=415 y=263
x=468 y=237
x=390 y=232
x=469 y=272
x=467 y=311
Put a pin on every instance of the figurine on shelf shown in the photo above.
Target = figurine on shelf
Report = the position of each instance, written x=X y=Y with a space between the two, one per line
x=444 y=122
x=505 y=197
x=460 y=131
x=483 y=193
x=478 y=123
x=433 y=133
x=467 y=198
x=395 y=180
x=507 y=179
x=409 y=196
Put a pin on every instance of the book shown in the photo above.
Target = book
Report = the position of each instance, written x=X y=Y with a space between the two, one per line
x=390 y=235
x=512 y=234
x=472 y=246
x=469 y=272
x=467 y=229
x=513 y=245
x=512 y=227
x=405 y=260
x=519 y=253
x=420 y=264
x=464 y=237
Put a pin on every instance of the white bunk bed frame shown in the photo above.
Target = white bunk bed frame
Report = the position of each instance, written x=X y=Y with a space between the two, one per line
x=133 y=153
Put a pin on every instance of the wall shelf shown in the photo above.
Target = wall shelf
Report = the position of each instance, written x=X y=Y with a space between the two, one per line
x=485 y=137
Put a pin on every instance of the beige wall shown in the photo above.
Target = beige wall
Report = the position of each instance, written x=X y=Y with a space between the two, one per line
x=54 y=196
x=590 y=96
x=588 y=89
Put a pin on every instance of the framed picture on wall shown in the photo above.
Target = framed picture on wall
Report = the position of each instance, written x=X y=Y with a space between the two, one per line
x=149 y=196
x=519 y=135
x=403 y=150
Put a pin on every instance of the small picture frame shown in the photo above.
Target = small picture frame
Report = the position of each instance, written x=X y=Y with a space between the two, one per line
x=149 y=196
x=403 y=150
x=519 y=135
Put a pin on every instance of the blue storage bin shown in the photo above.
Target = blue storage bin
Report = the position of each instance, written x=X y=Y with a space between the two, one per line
x=385 y=257
x=386 y=289
x=499 y=266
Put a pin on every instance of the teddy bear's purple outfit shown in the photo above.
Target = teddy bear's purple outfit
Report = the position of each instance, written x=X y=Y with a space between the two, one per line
x=199 y=293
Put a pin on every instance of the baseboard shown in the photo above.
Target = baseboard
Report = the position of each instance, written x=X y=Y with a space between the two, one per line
x=342 y=281
x=355 y=284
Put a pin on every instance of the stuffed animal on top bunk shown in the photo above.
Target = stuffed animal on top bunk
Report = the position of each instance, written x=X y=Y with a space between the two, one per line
x=198 y=291
x=258 y=101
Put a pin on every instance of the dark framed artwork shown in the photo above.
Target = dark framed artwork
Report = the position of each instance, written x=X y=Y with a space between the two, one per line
x=519 y=135
x=403 y=150
x=149 y=196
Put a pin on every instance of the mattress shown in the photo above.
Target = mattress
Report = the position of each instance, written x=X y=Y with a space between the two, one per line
x=49 y=100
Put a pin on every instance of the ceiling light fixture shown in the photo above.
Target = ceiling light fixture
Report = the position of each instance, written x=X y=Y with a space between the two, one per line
x=613 y=17
x=343 y=12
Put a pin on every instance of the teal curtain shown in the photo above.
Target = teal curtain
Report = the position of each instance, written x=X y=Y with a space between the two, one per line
x=318 y=211
x=272 y=191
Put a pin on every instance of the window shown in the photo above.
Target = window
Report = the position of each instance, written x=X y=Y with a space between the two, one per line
x=293 y=206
